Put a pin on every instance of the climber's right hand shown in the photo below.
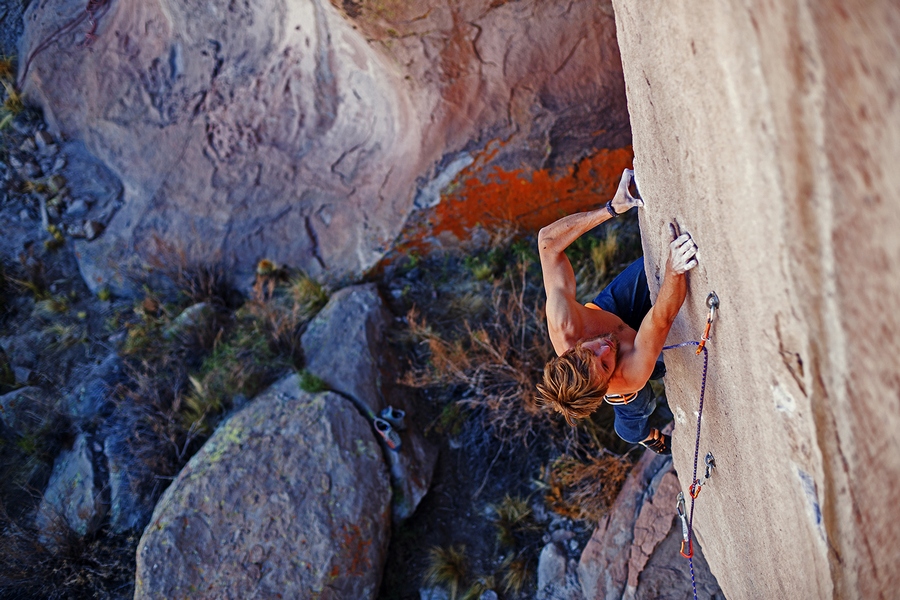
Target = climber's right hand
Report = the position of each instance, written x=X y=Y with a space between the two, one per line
x=682 y=254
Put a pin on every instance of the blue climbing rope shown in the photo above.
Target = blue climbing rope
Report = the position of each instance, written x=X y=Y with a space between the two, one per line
x=695 y=483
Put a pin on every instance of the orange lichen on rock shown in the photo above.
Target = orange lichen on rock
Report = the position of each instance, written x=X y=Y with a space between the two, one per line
x=491 y=196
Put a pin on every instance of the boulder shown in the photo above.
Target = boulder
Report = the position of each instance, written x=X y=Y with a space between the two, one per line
x=92 y=398
x=303 y=132
x=271 y=129
x=72 y=499
x=768 y=130
x=557 y=575
x=344 y=346
x=613 y=565
x=133 y=486
x=289 y=497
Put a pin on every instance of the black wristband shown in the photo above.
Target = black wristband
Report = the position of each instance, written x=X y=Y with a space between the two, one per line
x=611 y=210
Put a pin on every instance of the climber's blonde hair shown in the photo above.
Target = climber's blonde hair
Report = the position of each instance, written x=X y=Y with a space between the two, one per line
x=567 y=386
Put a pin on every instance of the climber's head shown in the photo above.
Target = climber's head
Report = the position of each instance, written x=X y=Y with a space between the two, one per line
x=575 y=382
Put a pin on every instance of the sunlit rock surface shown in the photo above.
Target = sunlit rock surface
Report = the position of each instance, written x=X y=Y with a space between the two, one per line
x=770 y=132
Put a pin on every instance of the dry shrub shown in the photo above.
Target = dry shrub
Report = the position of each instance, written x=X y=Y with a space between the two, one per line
x=186 y=377
x=205 y=281
x=585 y=489
x=94 y=566
x=517 y=573
x=448 y=568
x=497 y=362
x=514 y=522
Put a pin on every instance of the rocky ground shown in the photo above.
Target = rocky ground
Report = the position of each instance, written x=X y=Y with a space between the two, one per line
x=65 y=351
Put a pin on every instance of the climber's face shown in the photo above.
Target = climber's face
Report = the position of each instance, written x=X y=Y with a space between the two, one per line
x=605 y=352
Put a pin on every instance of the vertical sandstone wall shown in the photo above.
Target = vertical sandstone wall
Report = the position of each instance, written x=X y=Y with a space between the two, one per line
x=770 y=131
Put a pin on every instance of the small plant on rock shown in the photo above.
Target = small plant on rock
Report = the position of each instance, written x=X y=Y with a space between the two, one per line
x=448 y=568
x=513 y=521
x=311 y=383
x=517 y=572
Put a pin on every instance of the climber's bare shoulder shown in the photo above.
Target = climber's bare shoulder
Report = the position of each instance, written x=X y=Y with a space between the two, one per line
x=570 y=322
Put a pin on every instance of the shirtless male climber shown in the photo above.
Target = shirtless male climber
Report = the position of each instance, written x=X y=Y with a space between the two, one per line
x=609 y=348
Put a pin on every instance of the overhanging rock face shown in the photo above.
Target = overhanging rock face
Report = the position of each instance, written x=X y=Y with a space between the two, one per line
x=770 y=131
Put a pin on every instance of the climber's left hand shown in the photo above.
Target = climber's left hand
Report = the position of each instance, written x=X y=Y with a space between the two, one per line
x=623 y=200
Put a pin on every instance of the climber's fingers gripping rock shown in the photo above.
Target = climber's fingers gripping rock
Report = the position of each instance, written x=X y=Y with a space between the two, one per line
x=682 y=254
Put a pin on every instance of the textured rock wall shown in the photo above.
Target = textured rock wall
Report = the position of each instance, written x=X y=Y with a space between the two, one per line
x=769 y=131
x=306 y=132
x=239 y=130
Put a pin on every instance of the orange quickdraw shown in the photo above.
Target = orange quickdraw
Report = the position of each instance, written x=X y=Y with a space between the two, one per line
x=712 y=301
x=695 y=489
x=690 y=545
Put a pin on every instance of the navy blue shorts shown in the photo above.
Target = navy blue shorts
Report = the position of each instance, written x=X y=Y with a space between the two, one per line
x=628 y=297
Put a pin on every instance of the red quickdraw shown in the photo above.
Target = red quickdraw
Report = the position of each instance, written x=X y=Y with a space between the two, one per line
x=695 y=489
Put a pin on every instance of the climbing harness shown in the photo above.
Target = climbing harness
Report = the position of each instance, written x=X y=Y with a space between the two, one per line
x=687 y=519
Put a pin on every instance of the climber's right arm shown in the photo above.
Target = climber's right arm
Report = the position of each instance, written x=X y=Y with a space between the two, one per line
x=564 y=320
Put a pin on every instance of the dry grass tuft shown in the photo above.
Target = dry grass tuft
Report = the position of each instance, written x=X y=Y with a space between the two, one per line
x=448 y=568
x=517 y=573
x=482 y=584
x=94 y=566
x=513 y=521
x=585 y=489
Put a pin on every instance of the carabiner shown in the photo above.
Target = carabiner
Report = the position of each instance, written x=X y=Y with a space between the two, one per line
x=690 y=552
x=695 y=488
x=685 y=530
x=710 y=465
x=712 y=302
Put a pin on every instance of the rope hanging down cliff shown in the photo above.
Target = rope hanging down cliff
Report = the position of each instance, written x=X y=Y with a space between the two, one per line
x=687 y=523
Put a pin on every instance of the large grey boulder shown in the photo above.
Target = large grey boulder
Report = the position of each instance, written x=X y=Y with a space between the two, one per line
x=289 y=498
x=769 y=131
x=346 y=346
x=72 y=499
x=304 y=131
x=269 y=129
x=614 y=564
